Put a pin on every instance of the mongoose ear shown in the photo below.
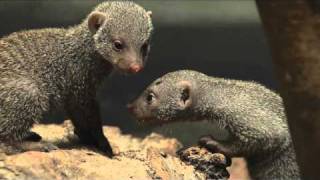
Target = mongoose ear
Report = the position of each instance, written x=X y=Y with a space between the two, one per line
x=95 y=20
x=185 y=94
x=149 y=13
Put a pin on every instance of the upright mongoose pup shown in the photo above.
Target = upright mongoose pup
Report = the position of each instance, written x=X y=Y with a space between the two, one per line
x=238 y=119
x=52 y=69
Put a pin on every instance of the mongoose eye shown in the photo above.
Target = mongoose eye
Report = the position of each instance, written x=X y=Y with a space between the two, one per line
x=144 y=49
x=158 y=82
x=118 y=45
x=150 y=97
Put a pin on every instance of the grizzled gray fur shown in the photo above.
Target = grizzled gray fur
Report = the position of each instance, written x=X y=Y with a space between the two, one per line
x=52 y=69
x=251 y=115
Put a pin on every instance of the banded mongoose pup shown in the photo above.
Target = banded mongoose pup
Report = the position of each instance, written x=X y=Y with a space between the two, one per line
x=52 y=69
x=236 y=118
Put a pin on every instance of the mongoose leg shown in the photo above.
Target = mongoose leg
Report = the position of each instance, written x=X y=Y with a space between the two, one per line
x=88 y=127
x=18 y=112
x=21 y=105
x=94 y=137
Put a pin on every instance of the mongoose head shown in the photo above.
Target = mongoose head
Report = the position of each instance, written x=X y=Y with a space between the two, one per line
x=121 y=32
x=168 y=98
x=171 y=105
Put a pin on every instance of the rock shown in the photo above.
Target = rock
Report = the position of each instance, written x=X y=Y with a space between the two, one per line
x=152 y=157
x=212 y=164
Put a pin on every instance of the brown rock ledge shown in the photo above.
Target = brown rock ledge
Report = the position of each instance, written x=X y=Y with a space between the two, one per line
x=150 y=158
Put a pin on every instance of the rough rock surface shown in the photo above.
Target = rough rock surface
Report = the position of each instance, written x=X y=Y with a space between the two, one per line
x=150 y=158
x=212 y=164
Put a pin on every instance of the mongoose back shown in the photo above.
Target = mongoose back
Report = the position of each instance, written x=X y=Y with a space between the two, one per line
x=55 y=68
x=236 y=118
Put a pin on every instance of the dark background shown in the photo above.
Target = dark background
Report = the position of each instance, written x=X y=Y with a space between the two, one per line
x=218 y=37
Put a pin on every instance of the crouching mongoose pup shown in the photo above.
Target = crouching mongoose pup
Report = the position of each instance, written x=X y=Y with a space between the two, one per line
x=236 y=118
x=52 y=69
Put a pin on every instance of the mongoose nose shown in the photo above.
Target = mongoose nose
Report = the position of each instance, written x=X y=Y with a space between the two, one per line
x=130 y=108
x=135 y=68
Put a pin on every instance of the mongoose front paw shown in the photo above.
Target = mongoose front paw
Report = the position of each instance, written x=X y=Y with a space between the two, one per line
x=212 y=145
x=96 y=140
x=209 y=143
x=204 y=140
x=212 y=164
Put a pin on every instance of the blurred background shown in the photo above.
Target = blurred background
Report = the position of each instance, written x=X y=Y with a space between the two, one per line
x=218 y=37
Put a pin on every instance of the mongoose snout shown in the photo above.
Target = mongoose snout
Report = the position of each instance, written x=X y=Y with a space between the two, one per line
x=135 y=68
x=129 y=66
x=130 y=108
x=129 y=62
